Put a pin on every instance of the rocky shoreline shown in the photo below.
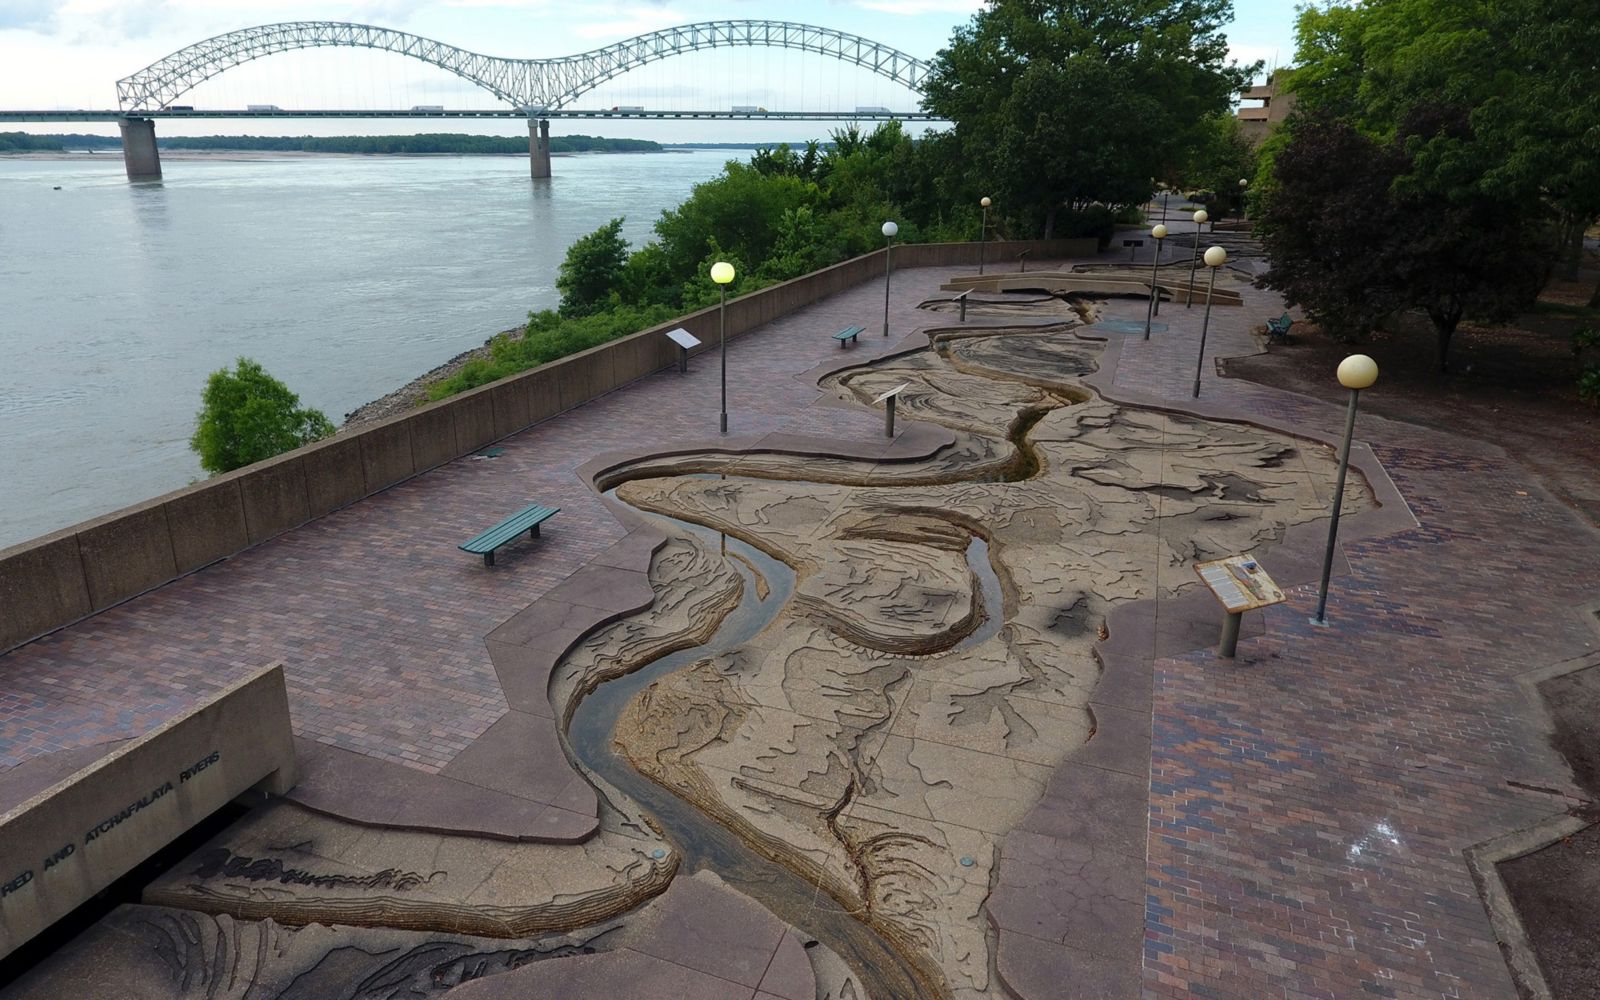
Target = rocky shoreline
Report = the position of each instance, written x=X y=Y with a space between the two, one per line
x=415 y=392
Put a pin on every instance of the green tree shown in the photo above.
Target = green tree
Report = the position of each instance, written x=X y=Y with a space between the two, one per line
x=1356 y=243
x=1217 y=163
x=1321 y=228
x=592 y=270
x=740 y=210
x=805 y=242
x=1066 y=103
x=247 y=415
x=1523 y=72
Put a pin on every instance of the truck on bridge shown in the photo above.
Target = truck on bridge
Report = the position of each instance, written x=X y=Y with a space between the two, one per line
x=748 y=109
x=262 y=107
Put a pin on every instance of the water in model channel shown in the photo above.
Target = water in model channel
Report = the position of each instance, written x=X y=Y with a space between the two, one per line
x=705 y=843
x=345 y=276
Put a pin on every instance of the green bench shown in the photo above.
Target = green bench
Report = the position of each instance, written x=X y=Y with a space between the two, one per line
x=848 y=335
x=1278 y=329
x=527 y=519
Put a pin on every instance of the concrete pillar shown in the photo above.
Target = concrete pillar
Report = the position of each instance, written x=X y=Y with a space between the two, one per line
x=139 y=149
x=539 y=147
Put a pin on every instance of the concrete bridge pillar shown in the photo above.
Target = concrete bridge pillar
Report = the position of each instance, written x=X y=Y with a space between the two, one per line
x=539 y=147
x=139 y=149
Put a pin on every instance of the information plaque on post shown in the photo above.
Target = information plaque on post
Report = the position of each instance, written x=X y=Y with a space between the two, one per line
x=887 y=399
x=1239 y=584
x=686 y=342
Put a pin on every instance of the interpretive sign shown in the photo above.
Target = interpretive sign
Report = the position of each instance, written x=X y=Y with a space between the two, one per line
x=1239 y=583
x=888 y=399
x=683 y=338
x=63 y=845
x=891 y=393
x=686 y=342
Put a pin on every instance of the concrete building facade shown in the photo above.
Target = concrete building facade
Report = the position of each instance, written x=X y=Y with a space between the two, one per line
x=1255 y=121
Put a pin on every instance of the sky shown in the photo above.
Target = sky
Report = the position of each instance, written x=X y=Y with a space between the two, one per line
x=61 y=54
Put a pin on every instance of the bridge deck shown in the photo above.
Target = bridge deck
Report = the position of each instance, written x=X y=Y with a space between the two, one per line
x=112 y=114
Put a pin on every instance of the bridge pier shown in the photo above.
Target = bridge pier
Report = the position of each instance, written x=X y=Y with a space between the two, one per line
x=139 y=149
x=539 y=147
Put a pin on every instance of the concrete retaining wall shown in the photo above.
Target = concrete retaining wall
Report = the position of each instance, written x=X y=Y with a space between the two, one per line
x=57 y=579
x=78 y=836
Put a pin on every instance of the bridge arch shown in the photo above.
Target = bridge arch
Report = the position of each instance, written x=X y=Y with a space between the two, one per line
x=530 y=84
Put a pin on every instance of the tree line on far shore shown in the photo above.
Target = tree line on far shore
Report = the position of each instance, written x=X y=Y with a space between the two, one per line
x=433 y=142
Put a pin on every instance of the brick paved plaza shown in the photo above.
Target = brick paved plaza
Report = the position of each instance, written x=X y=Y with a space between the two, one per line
x=1307 y=805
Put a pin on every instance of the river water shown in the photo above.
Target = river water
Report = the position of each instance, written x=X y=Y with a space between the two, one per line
x=345 y=276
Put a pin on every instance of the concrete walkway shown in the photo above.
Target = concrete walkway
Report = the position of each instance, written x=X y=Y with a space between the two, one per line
x=1308 y=803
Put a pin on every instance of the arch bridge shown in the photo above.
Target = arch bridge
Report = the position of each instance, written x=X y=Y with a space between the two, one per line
x=537 y=88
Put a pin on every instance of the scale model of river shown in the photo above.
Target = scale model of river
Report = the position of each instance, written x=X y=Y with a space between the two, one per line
x=701 y=841
x=853 y=685
x=954 y=603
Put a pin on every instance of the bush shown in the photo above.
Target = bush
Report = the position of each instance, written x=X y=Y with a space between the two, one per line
x=247 y=415
x=1098 y=221
x=549 y=336
x=1589 y=385
x=1585 y=342
x=592 y=269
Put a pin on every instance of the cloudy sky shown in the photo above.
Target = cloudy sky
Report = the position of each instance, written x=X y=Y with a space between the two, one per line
x=69 y=54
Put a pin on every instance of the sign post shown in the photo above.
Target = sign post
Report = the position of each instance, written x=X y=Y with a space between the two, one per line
x=1239 y=584
x=685 y=341
x=888 y=399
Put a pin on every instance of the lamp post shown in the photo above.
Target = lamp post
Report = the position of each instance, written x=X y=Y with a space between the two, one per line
x=1244 y=183
x=1200 y=218
x=983 y=237
x=1356 y=372
x=889 y=229
x=1160 y=233
x=1215 y=258
x=722 y=274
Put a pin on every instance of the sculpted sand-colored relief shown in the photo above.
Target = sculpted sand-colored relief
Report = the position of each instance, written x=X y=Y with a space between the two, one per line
x=292 y=865
x=914 y=660
x=907 y=705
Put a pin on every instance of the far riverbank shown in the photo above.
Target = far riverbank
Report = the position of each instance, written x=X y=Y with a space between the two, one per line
x=255 y=155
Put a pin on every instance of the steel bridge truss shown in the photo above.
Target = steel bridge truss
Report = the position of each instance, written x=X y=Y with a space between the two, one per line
x=529 y=85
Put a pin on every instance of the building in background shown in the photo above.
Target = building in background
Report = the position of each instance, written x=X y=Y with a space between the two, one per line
x=1276 y=103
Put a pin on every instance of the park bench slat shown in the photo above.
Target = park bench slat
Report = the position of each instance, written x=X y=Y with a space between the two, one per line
x=527 y=519
x=848 y=335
